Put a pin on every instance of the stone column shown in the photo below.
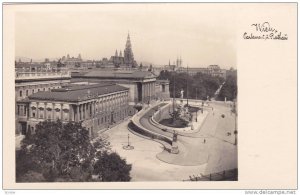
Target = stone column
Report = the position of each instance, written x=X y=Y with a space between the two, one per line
x=61 y=112
x=71 y=115
x=94 y=109
x=77 y=113
x=87 y=114
x=53 y=112
x=37 y=110
x=45 y=111
x=29 y=111
x=150 y=91
x=81 y=111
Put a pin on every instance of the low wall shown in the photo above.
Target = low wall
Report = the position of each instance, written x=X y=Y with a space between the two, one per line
x=138 y=128
x=163 y=113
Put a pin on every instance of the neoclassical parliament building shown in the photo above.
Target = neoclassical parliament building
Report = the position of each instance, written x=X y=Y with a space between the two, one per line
x=96 y=98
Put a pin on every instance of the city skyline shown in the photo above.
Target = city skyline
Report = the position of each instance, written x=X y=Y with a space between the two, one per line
x=158 y=33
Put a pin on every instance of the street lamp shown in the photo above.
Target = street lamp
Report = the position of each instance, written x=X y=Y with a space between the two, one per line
x=128 y=147
x=235 y=123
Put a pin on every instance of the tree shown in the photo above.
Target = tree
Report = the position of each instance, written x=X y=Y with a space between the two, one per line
x=229 y=89
x=61 y=151
x=206 y=84
x=110 y=167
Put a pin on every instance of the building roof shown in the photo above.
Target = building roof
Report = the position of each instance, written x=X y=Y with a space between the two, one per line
x=162 y=81
x=120 y=74
x=77 y=93
x=24 y=100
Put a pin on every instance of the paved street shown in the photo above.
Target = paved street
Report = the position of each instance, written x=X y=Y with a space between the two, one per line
x=217 y=153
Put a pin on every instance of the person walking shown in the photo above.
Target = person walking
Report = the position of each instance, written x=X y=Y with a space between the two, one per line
x=204 y=140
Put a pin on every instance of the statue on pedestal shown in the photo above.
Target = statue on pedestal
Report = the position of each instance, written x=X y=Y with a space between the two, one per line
x=181 y=93
x=174 y=149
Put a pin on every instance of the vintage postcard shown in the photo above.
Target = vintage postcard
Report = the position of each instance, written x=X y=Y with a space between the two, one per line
x=150 y=96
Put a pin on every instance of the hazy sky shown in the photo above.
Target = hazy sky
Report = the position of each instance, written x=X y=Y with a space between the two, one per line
x=202 y=34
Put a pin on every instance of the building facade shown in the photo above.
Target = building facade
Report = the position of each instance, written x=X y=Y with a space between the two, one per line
x=96 y=106
x=28 y=82
x=141 y=84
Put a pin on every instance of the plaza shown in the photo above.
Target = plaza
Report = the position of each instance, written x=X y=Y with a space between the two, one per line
x=151 y=162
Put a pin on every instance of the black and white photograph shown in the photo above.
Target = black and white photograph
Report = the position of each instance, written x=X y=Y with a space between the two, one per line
x=149 y=93
x=110 y=94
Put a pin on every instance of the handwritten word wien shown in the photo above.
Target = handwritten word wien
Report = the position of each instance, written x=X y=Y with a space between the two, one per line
x=265 y=31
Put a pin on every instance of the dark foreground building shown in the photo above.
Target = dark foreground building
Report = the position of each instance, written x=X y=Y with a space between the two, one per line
x=96 y=105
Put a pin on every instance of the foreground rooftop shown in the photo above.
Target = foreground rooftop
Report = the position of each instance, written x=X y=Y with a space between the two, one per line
x=78 y=92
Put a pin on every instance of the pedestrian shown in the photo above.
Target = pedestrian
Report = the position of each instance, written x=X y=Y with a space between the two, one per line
x=204 y=141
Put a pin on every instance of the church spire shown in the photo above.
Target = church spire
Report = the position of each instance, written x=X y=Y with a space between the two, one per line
x=128 y=54
x=116 y=54
x=128 y=43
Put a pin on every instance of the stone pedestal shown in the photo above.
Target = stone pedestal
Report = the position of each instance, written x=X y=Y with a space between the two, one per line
x=174 y=149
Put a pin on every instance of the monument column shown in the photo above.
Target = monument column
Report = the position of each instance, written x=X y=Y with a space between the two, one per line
x=150 y=91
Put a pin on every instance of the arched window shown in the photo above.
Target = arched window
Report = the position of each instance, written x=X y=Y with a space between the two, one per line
x=21 y=93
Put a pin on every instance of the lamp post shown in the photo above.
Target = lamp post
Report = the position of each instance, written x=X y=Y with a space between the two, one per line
x=128 y=147
x=235 y=123
x=173 y=95
x=187 y=88
x=128 y=141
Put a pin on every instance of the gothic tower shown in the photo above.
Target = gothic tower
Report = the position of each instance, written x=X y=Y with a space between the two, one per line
x=128 y=54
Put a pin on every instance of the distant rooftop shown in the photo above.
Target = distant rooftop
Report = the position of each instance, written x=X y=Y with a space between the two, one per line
x=78 y=92
x=120 y=74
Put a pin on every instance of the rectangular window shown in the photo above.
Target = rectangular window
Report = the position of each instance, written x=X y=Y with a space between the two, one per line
x=20 y=93
x=26 y=92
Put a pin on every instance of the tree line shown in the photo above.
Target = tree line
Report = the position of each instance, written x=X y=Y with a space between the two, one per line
x=229 y=89
x=199 y=86
x=59 y=152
